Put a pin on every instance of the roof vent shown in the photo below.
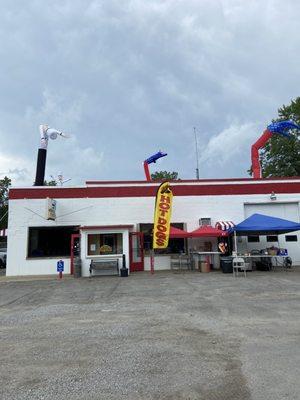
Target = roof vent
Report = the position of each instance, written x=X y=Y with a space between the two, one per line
x=204 y=221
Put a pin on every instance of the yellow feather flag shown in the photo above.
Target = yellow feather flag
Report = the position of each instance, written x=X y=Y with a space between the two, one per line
x=162 y=216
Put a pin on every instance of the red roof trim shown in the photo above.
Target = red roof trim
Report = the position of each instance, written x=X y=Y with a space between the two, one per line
x=86 y=228
x=150 y=191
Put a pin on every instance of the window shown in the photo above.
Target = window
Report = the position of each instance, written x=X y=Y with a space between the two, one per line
x=272 y=238
x=291 y=238
x=105 y=243
x=253 y=239
x=175 y=246
x=50 y=242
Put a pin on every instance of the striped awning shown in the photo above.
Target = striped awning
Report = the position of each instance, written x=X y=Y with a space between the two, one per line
x=3 y=232
x=224 y=225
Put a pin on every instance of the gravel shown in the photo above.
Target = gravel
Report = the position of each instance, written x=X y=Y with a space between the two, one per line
x=168 y=336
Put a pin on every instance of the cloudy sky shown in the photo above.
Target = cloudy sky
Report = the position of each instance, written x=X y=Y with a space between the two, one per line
x=129 y=77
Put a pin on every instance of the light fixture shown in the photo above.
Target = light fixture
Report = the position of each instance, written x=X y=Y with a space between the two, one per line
x=273 y=196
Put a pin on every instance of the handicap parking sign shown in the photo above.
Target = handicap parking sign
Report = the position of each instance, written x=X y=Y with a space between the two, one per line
x=60 y=266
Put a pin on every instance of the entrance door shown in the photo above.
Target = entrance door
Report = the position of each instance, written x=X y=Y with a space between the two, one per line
x=136 y=249
x=75 y=250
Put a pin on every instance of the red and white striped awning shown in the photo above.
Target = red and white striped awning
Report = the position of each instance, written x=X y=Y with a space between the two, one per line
x=3 y=232
x=224 y=225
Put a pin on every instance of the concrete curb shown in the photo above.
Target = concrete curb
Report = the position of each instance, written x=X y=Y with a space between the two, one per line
x=31 y=278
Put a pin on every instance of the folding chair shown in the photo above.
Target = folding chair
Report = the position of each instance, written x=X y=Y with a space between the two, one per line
x=175 y=263
x=185 y=262
x=238 y=263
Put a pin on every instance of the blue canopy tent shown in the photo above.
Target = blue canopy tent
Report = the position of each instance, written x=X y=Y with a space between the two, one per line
x=264 y=225
x=259 y=224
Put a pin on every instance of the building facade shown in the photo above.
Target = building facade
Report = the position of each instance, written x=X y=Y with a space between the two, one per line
x=112 y=219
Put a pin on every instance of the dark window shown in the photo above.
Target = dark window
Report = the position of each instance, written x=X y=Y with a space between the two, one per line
x=105 y=243
x=291 y=238
x=50 y=242
x=272 y=238
x=175 y=246
x=253 y=239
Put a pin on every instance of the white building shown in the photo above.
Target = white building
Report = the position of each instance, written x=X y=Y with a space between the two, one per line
x=110 y=215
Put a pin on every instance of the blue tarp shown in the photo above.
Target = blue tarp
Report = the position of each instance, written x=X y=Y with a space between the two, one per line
x=259 y=224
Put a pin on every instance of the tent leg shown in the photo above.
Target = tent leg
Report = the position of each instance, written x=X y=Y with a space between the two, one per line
x=235 y=242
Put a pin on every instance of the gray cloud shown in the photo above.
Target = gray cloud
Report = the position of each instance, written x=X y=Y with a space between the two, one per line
x=129 y=78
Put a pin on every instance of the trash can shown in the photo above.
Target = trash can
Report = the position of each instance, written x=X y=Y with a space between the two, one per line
x=77 y=267
x=204 y=266
x=226 y=265
x=123 y=270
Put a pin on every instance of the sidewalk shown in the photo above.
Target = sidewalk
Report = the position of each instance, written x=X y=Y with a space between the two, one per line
x=29 y=278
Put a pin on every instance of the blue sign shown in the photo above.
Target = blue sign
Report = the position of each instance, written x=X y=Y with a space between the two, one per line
x=60 y=266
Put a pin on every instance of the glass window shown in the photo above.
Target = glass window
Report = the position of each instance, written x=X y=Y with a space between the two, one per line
x=176 y=246
x=272 y=238
x=291 y=238
x=105 y=243
x=147 y=231
x=50 y=242
x=253 y=239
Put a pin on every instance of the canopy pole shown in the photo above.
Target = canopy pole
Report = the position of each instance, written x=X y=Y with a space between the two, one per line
x=235 y=242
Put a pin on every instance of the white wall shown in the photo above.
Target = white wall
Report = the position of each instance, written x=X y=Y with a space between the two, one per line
x=160 y=263
x=115 y=211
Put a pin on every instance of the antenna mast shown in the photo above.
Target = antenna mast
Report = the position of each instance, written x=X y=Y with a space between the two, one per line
x=197 y=156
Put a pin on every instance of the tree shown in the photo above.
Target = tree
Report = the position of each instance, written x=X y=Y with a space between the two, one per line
x=4 y=187
x=281 y=156
x=164 y=175
x=50 y=183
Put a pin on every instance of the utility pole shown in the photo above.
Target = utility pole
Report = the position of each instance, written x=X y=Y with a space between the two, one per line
x=197 y=156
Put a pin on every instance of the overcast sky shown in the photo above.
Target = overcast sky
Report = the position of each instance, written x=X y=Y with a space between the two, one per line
x=129 y=77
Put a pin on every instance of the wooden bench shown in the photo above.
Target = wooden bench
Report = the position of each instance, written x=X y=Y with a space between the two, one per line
x=104 y=267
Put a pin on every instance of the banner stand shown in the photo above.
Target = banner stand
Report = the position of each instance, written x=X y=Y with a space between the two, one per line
x=152 y=261
x=162 y=219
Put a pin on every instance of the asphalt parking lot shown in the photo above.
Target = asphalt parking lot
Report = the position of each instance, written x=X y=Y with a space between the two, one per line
x=168 y=336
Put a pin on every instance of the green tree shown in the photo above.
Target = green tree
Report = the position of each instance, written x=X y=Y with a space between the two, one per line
x=50 y=183
x=281 y=156
x=164 y=175
x=4 y=187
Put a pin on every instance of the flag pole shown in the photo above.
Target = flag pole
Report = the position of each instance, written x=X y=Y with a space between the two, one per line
x=152 y=262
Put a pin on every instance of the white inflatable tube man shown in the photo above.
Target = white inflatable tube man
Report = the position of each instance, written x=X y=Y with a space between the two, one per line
x=45 y=133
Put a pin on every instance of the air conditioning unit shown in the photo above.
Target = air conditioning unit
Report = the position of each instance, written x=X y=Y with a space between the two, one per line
x=204 y=221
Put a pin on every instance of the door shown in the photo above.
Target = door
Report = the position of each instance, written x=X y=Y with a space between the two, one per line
x=136 y=251
x=75 y=250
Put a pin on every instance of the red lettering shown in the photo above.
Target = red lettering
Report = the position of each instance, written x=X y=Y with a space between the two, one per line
x=161 y=228
x=160 y=242
x=164 y=206
x=160 y=235
x=162 y=221
x=165 y=199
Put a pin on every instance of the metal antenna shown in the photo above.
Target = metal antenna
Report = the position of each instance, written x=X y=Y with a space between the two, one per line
x=197 y=156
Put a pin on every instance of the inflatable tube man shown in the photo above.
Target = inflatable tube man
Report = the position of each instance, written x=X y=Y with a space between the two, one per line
x=45 y=133
x=281 y=128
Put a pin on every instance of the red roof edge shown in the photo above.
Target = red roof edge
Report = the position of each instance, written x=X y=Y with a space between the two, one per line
x=86 y=228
